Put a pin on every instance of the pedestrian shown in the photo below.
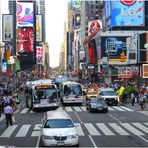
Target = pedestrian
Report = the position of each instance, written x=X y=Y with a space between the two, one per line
x=8 y=111
x=133 y=98
x=124 y=97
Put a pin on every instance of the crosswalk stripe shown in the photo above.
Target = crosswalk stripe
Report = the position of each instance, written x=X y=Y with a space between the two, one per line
x=144 y=112
x=9 y=131
x=118 y=129
x=83 y=108
x=141 y=127
x=105 y=129
x=68 y=109
x=91 y=129
x=23 y=131
x=24 y=110
x=118 y=108
x=110 y=108
x=31 y=111
x=37 y=127
x=77 y=109
x=131 y=129
x=79 y=129
x=60 y=108
x=35 y=133
x=146 y=124
x=126 y=108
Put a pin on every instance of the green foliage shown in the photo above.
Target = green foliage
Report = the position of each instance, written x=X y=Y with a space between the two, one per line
x=128 y=90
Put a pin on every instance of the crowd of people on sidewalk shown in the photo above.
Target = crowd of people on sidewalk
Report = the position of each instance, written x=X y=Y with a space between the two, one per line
x=10 y=87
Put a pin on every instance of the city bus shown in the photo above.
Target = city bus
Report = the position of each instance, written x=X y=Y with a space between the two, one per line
x=71 y=92
x=42 y=95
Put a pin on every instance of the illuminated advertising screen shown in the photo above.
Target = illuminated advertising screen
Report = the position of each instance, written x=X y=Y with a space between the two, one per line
x=127 y=13
x=113 y=46
x=39 y=54
x=7 y=27
x=24 y=14
x=4 y=67
x=25 y=40
x=75 y=4
x=38 y=28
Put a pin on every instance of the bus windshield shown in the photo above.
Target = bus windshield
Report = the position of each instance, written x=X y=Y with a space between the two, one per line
x=72 y=90
x=45 y=94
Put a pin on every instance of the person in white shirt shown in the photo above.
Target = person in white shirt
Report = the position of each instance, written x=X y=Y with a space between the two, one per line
x=8 y=111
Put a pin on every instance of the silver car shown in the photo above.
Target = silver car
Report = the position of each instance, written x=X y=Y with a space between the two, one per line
x=58 y=129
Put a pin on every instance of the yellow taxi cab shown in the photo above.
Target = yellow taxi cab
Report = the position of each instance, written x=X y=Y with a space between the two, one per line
x=91 y=93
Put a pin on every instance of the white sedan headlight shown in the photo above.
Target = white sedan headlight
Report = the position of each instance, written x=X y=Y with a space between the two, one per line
x=72 y=136
x=48 y=137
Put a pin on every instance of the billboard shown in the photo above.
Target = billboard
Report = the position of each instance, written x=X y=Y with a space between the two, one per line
x=112 y=47
x=24 y=14
x=39 y=28
x=75 y=4
x=4 y=67
x=39 y=55
x=126 y=13
x=7 y=27
x=94 y=26
x=132 y=48
x=25 y=40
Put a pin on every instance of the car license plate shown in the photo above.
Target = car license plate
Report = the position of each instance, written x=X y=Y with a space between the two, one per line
x=60 y=143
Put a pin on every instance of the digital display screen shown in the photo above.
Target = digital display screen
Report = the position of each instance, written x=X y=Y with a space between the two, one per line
x=24 y=14
x=45 y=87
x=127 y=13
x=114 y=46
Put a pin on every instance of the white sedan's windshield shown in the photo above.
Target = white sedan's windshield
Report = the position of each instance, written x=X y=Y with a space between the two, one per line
x=58 y=123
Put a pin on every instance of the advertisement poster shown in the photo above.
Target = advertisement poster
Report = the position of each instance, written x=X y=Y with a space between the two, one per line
x=38 y=28
x=24 y=14
x=39 y=55
x=126 y=13
x=25 y=40
x=112 y=48
x=4 y=67
x=7 y=27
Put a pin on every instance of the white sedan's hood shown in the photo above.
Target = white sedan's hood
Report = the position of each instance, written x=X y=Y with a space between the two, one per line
x=59 y=131
x=109 y=96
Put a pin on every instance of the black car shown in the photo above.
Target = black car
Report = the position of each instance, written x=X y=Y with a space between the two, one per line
x=95 y=104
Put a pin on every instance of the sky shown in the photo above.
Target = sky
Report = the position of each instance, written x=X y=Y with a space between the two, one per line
x=56 y=14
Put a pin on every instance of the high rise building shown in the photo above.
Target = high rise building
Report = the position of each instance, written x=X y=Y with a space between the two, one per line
x=90 y=10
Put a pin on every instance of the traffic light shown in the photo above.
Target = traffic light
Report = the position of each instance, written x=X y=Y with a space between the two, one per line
x=7 y=54
x=122 y=57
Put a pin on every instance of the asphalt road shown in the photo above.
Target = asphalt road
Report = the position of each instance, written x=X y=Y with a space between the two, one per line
x=122 y=126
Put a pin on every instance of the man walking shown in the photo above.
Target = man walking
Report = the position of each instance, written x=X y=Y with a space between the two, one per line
x=8 y=111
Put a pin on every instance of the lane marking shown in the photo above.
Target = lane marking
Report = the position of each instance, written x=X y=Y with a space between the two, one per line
x=77 y=109
x=9 y=131
x=79 y=129
x=132 y=129
x=118 y=129
x=68 y=109
x=37 y=127
x=105 y=129
x=118 y=108
x=24 y=110
x=2 y=117
x=126 y=108
x=83 y=108
x=93 y=142
x=78 y=117
x=110 y=108
x=91 y=129
x=23 y=131
x=141 y=127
